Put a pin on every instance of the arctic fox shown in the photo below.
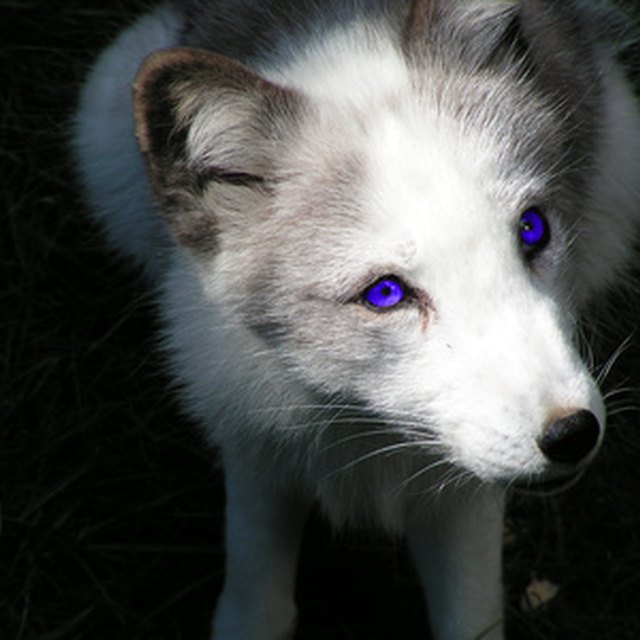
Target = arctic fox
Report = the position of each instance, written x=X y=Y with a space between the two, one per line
x=372 y=226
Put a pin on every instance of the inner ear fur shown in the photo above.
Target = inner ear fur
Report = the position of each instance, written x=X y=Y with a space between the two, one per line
x=201 y=120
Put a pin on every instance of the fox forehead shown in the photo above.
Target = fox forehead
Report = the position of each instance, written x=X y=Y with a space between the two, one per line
x=403 y=182
x=413 y=146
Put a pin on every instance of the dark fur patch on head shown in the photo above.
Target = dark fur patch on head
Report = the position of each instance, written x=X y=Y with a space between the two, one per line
x=420 y=22
x=260 y=31
x=513 y=48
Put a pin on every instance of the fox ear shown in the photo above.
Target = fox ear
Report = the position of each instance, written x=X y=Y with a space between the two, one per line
x=562 y=41
x=208 y=128
x=558 y=43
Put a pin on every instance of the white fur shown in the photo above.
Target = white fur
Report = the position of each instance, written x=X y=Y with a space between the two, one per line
x=413 y=420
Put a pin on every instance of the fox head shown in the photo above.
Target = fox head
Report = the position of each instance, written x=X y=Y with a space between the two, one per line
x=408 y=215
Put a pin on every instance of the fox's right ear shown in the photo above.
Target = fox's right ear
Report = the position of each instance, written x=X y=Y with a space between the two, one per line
x=205 y=122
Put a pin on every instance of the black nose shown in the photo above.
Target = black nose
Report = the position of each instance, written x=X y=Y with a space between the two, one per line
x=570 y=439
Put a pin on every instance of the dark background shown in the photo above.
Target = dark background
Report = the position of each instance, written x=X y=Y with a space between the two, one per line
x=110 y=506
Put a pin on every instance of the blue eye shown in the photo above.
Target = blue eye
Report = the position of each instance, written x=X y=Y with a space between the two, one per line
x=386 y=293
x=534 y=230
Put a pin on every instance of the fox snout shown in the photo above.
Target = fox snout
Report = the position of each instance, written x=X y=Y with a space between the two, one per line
x=571 y=439
x=568 y=443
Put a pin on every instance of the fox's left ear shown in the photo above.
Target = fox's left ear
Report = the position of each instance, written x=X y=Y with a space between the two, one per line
x=207 y=125
x=562 y=40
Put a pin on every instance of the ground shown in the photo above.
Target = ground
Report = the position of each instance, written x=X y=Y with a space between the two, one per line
x=110 y=505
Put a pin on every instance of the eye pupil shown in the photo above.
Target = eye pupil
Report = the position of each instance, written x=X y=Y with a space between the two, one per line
x=384 y=294
x=534 y=230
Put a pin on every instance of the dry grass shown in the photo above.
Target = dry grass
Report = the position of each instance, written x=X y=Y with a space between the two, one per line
x=111 y=508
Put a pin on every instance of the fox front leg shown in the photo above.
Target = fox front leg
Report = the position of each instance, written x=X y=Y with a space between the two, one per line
x=263 y=530
x=457 y=549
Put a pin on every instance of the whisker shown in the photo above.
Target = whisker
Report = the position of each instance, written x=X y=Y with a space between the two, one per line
x=618 y=392
x=624 y=409
x=402 y=486
x=606 y=368
x=377 y=432
x=327 y=406
x=396 y=417
x=584 y=347
x=449 y=479
x=382 y=451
